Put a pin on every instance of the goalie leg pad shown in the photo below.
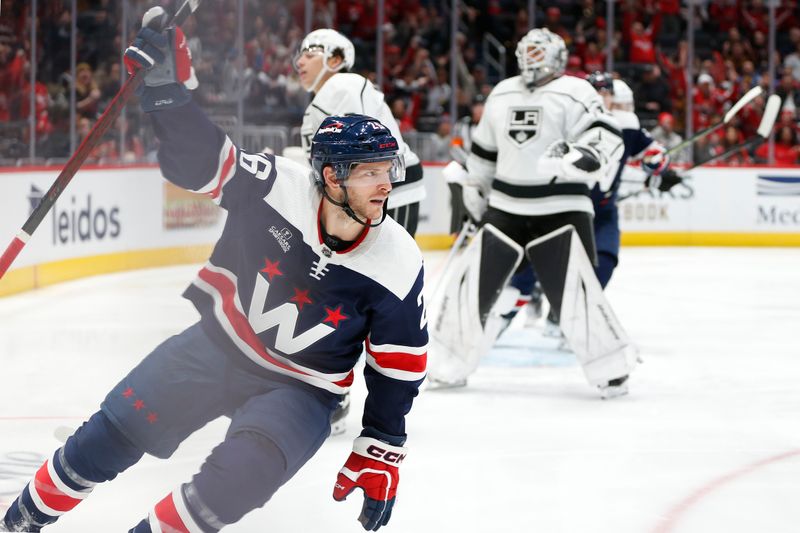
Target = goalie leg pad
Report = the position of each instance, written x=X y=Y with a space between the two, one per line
x=590 y=326
x=465 y=307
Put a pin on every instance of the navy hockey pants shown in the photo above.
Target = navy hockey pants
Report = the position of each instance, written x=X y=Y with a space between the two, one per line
x=277 y=425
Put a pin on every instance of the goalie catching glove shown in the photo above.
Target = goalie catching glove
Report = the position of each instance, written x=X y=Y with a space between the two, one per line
x=572 y=162
x=165 y=56
x=373 y=467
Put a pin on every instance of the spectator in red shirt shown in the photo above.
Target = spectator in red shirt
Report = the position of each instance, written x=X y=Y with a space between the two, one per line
x=641 y=41
x=707 y=101
x=786 y=149
x=731 y=138
x=593 y=58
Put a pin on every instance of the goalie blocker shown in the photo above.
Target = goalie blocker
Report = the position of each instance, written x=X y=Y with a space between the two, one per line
x=590 y=327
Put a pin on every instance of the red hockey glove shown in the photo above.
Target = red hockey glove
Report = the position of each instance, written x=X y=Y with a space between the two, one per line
x=166 y=57
x=373 y=467
x=655 y=159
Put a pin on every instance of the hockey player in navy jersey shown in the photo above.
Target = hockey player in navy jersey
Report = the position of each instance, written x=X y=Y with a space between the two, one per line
x=306 y=272
x=639 y=146
x=323 y=63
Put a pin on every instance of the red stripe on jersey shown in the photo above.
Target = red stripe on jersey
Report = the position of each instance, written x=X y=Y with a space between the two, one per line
x=243 y=329
x=168 y=517
x=226 y=166
x=51 y=495
x=399 y=360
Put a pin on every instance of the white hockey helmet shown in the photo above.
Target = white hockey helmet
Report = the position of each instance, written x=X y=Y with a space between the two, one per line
x=623 y=96
x=541 y=56
x=328 y=43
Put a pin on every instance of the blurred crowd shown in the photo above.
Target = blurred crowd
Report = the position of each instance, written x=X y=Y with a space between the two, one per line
x=649 y=47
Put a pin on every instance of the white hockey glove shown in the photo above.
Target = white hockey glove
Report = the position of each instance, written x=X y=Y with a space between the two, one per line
x=571 y=162
x=454 y=172
x=476 y=201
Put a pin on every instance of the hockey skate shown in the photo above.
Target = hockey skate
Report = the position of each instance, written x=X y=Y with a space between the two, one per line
x=533 y=310
x=339 y=418
x=614 y=388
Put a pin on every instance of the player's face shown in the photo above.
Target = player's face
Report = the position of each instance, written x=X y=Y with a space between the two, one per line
x=368 y=187
x=309 y=64
x=607 y=98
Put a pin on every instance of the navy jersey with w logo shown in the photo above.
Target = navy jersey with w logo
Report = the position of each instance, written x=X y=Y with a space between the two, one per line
x=274 y=293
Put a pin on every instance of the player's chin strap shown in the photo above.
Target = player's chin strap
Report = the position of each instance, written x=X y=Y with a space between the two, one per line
x=325 y=68
x=345 y=205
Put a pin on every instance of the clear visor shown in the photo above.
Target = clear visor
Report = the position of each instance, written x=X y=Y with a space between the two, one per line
x=309 y=52
x=372 y=173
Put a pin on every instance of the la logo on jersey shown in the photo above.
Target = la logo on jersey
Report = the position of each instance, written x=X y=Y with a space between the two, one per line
x=523 y=124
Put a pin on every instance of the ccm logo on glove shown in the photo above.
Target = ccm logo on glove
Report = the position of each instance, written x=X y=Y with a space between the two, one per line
x=385 y=455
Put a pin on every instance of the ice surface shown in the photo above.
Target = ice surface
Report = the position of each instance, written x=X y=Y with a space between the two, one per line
x=707 y=441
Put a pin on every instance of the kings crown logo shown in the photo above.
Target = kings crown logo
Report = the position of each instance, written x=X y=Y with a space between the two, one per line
x=282 y=236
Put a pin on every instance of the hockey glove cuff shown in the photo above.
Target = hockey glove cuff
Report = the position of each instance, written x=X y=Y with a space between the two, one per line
x=166 y=57
x=372 y=467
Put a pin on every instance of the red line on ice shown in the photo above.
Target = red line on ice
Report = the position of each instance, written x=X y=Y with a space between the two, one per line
x=674 y=515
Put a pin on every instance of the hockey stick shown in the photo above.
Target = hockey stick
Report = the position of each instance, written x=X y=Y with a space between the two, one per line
x=768 y=119
x=73 y=165
x=749 y=96
x=771 y=110
x=467 y=230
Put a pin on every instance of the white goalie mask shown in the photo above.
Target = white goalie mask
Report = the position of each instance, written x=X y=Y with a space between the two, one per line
x=327 y=42
x=541 y=56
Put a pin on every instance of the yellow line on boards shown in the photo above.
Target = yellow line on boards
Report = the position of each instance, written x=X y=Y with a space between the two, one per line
x=710 y=239
x=32 y=277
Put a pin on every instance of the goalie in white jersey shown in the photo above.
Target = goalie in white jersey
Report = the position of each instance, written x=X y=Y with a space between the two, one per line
x=323 y=63
x=543 y=141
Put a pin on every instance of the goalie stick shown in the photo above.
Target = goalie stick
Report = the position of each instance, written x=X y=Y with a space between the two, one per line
x=73 y=165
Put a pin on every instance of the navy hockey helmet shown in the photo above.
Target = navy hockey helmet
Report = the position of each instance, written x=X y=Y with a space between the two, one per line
x=601 y=81
x=344 y=143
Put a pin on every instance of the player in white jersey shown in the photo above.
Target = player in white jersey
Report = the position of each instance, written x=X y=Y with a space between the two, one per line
x=543 y=141
x=323 y=63
x=528 y=120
